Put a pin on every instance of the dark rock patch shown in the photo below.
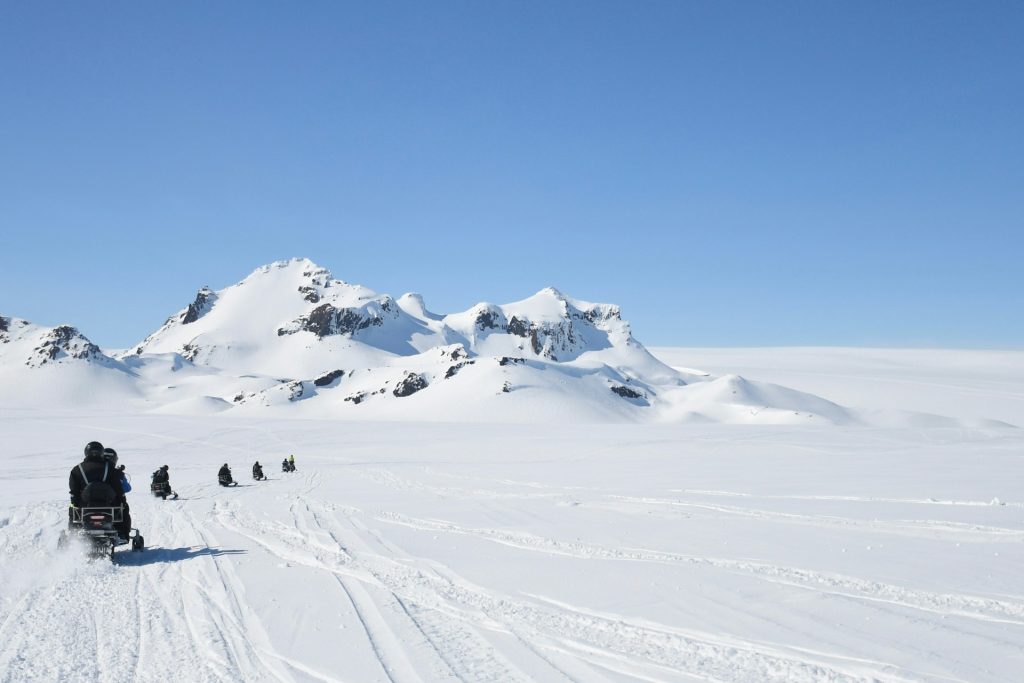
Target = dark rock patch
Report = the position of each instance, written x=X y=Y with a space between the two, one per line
x=297 y=391
x=509 y=360
x=324 y=380
x=520 y=328
x=190 y=351
x=205 y=299
x=310 y=294
x=326 y=320
x=410 y=384
x=454 y=369
x=626 y=392
x=356 y=398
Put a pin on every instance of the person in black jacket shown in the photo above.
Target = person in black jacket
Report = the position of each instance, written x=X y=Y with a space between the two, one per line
x=224 y=475
x=94 y=470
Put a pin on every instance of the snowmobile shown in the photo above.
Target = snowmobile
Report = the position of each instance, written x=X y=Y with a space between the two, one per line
x=257 y=473
x=161 y=489
x=226 y=480
x=95 y=522
x=287 y=466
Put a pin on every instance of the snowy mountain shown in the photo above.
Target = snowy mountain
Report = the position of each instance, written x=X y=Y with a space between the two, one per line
x=291 y=336
x=36 y=346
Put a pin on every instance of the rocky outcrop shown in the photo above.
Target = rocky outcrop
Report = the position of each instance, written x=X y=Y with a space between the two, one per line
x=626 y=392
x=61 y=342
x=205 y=298
x=310 y=294
x=520 y=328
x=5 y=325
x=328 y=378
x=489 y=317
x=189 y=351
x=326 y=320
x=454 y=369
x=410 y=384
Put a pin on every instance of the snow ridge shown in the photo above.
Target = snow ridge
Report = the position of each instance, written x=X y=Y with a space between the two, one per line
x=270 y=340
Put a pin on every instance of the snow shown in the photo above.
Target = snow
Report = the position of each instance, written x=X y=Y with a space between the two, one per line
x=517 y=546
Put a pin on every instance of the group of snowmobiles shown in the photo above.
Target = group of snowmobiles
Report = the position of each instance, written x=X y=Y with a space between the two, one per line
x=99 y=513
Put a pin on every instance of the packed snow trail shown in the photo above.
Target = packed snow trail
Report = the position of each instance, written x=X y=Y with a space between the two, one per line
x=422 y=553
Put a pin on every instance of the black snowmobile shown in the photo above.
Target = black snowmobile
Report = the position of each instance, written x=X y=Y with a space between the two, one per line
x=257 y=472
x=95 y=522
x=287 y=465
x=224 y=477
x=161 y=485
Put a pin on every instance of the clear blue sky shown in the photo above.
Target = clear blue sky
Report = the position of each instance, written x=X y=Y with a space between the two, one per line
x=729 y=173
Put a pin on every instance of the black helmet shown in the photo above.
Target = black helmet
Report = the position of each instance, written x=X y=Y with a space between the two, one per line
x=225 y=464
x=110 y=455
x=94 y=450
x=165 y=467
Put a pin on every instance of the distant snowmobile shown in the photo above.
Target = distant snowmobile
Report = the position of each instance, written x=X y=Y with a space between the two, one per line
x=161 y=484
x=224 y=476
x=257 y=472
x=287 y=465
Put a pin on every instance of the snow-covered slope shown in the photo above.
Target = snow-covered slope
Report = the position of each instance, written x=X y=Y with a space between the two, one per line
x=59 y=366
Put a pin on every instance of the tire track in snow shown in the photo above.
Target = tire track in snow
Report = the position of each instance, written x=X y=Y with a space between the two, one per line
x=947 y=604
x=926 y=528
x=852 y=499
x=381 y=638
x=706 y=655
x=467 y=655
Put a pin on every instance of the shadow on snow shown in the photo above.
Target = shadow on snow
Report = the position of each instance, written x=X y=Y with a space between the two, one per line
x=158 y=555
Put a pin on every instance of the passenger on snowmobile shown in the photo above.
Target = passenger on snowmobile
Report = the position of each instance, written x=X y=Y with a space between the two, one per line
x=224 y=476
x=257 y=471
x=161 y=484
x=110 y=457
x=291 y=463
x=284 y=465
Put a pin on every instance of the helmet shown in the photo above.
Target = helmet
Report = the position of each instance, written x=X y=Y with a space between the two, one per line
x=165 y=467
x=110 y=455
x=225 y=464
x=93 y=450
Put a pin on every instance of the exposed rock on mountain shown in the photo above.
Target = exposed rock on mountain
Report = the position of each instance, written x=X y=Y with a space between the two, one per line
x=410 y=384
x=326 y=320
x=205 y=299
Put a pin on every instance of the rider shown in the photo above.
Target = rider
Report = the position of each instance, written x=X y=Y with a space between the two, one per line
x=257 y=470
x=110 y=456
x=291 y=463
x=224 y=475
x=94 y=469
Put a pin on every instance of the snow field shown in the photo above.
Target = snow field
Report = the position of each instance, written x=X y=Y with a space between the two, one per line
x=483 y=552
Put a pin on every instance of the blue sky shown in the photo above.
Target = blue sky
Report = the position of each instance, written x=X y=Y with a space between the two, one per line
x=729 y=173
